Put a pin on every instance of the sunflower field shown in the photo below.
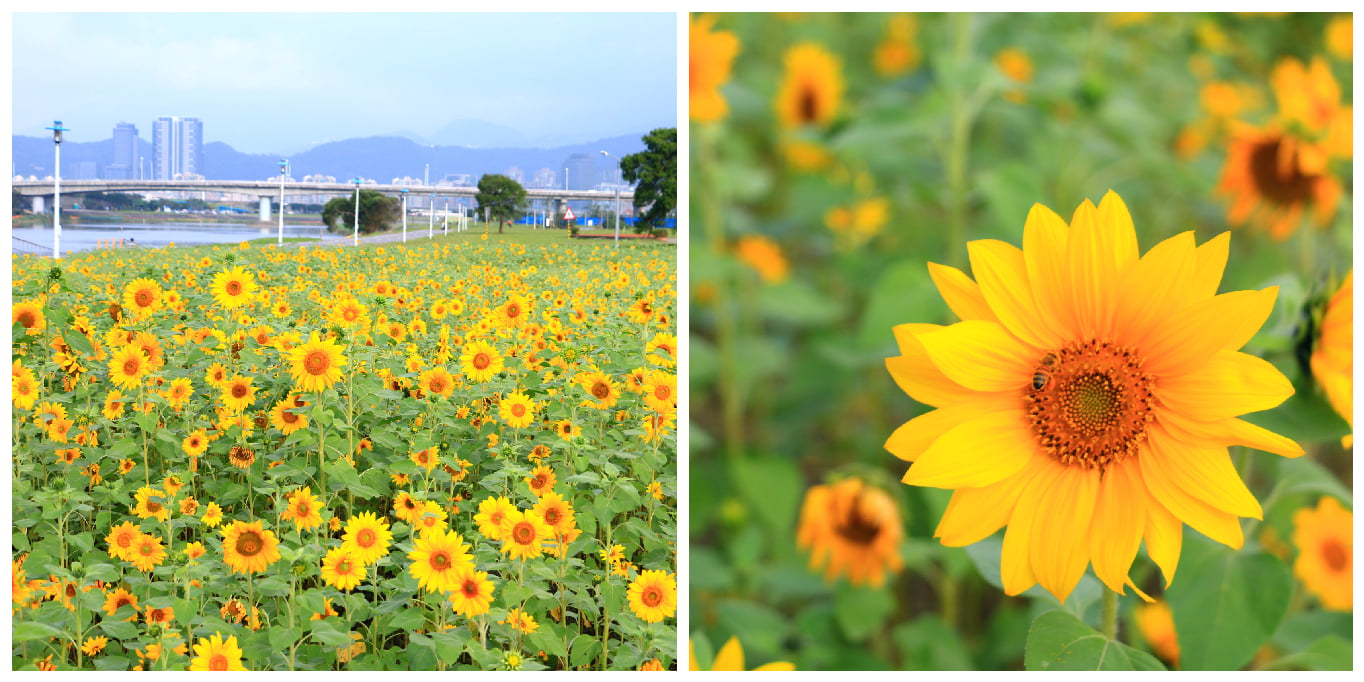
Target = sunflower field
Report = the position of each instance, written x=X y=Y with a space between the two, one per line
x=1021 y=341
x=458 y=454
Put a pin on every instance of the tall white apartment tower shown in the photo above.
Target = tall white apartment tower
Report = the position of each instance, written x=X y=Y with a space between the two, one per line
x=177 y=148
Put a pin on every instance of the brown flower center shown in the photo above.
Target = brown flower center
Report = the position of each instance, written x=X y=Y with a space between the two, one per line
x=470 y=588
x=481 y=361
x=600 y=390
x=28 y=319
x=317 y=362
x=652 y=596
x=233 y=288
x=365 y=538
x=239 y=391
x=552 y=516
x=1089 y=404
x=1335 y=555
x=132 y=367
x=856 y=527
x=250 y=544
x=1273 y=181
x=440 y=561
x=153 y=507
x=523 y=533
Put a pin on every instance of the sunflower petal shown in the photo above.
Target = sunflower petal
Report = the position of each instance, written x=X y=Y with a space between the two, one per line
x=1228 y=384
x=915 y=373
x=961 y=293
x=1157 y=285
x=976 y=453
x=1164 y=536
x=1003 y=278
x=1119 y=519
x=980 y=355
x=1210 y=260
x=1227 y=432
x=1059 y=552
x=730 y=657
x=1015 y=563
x=1045 y=237
x=1208 y=474
x=1161 y=483
x=915 y=435
x=1224 y=322
x=974 y=514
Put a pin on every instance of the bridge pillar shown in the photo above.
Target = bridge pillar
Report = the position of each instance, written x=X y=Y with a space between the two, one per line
x=556 y=216
x=38 y=205
x=265 y=209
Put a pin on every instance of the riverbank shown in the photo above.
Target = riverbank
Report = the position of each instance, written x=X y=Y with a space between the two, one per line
x=70 y=216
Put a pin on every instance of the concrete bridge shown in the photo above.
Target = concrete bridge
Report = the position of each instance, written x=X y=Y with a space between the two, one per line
x=41 y=190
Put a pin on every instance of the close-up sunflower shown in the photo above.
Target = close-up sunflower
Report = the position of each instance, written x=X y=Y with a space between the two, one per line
x=249 y=547
x=316 y=365
x=653 y=595
x=437 y=559
x=1324 y=537
x=213 y=653
x=233 y=288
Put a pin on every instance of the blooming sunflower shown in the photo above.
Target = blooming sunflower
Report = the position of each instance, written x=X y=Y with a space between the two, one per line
x=852 y=527
x=480 y=361
x=897 y=52
x=121 y=539
x=437 y=381
x=284 y=418
x=212 y=653
x=367 y=537
x=233 y=288
x=1087 y=400
x=1325 y=540
x=118 y=599
x=437 y=558
x=238 y=393
x=248 y=547
x=150 y=503
x=556 y=511
x=142 y=297
x=602 y=392
x=30 y=315
x=812 y=89
x=653 y=595
x=711 y=55
x=660 y=391
x=406 y=508
x=491 y=512
x=94 y=645
x=430 y=518
x=213 y=515
x=316 y=365
x=541 y=480
x=147 y=552
x=1333 y=358
x=517 y=410
x=520 y=620
x=731 y=657
x=524 y=533
x=24 y=389
x=179 y=392
x=127 y=367
x=662 y=350
x=303 y=509
x=514 y=312
x=473 y=592
x=341 y=569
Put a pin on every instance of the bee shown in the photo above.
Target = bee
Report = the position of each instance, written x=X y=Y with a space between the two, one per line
x=1040 y=380
x=1049 y=360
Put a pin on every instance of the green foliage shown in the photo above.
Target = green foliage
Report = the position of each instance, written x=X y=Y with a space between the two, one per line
x=377 y=211
x=501 y=197
x=654 y=174
x=1060 y=641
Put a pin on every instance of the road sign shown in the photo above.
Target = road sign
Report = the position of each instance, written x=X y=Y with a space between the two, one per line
x=568 y=213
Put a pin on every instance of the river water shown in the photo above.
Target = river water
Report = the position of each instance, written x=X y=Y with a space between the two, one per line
x=88 y=234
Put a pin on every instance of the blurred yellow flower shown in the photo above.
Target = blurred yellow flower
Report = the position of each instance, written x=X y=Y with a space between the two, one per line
x=1325 y=540
x=854 y=529
x=731 y=657
x=1265 y=177
x=897 y=53
x=711 y=55
x=764 y=256
x=1017 y=66
x=1333 y=357
x=1220 y=99
x=1157 y=625
x=1340 y=37
x=805 y=156
x=860 y=221
x=811 y=91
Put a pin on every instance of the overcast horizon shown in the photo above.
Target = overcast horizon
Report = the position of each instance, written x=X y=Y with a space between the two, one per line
x=537 y=78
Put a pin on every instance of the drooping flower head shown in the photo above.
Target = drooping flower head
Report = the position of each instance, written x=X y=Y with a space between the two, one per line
x=852 y=527
x=1087 y=399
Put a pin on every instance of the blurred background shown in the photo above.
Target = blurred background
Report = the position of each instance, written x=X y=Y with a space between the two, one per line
x=834 y=155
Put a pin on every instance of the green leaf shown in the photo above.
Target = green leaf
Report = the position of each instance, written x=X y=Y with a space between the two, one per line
x=861 y=610
x=327 y=633
x=985 y=555
x=772 y=486
x=905 y=293
x=450 y=644
x=796 y=302
x=407 y=619
x=282 y=638
x=1059 y=641
x=119 y=629
x=549 y=641
x=584 y=650
x=31 y=630
x=1229 y=605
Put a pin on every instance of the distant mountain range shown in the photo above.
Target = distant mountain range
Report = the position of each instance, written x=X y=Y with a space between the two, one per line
x=379 y=158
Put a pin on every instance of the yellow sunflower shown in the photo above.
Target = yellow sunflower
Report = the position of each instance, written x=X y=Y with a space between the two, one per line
x=662 y=350
x=653 y=595
x=233 y=288
x=142 y=297
x=1333 y=358
x=127 y=367
x=1325 y=540
x=437 y=381
x=248 y=547
x=430 y=518
x=517 y=410
x=24 y=390
x=215 y=654
x=1087 y=400
x=119 y=598
x=238 y=393
x=316 y=365
x=711 y=55
x=897 y=52
x=30 y=315
x=567 y=430
x=304 y=510
x=602 y=392
x=147 y=552
x=473 y=592
x=480 y=361
x=367 y=537
x=491 y=512
x=660 y=391
x=121 y=539
x=284 y=418
x=524 y=534
x=764 y=256
x=150 y=503
x=731 y=657
x=852 y=527
x=213 y=515
x=541 y=480
x=437 y=558
x=556 y=512
x=341 y=569
x=811 y=91
x=179 y=392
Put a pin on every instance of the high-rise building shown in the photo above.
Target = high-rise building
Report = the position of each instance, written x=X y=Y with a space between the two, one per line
x=582 y=171
x=125 y=165
x=177 y=148
x=544 y=178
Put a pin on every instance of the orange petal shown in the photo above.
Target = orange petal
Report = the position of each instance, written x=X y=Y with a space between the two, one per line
x=981 y=356
x=1045 y=236
x=961 y=293
x=1228 y=384
x=1224 y=322
x=976 y=453
x=974 y=514
x=1119 y=519
x=1060 y=546
x=1201 y=516
x=1003 y=278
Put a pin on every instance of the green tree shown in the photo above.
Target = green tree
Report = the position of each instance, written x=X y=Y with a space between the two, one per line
x=376 y=210
x=654 y=174
x=502 y=196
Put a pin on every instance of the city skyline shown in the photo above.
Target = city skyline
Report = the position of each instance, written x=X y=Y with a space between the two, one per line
x=283 y=83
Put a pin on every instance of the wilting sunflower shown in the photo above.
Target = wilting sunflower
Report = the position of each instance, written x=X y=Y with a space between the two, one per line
x=437 y=558
x=142 y=297
x=215 y=654
x=341 y=569
x=653 y=595
x=491 y=512
x=1333 y=358
x=517 y=410
x=711 y=55
x=127 y=367
x=367 y=537
x=1087 y=400
x=1269 y=184
x=238 y=393
x=437 y=381
x=731 y=657
x=233 y=288
x=248 y=547
x=480 y=361
x=1325 y=540
x=473 y=592
x=303 y=509
x=524 y=534
x=283 y=417
x=316 y=365
x=541 y=480
x=812 y=89
x=241 y=456
x=29 y=314
x=854 y=529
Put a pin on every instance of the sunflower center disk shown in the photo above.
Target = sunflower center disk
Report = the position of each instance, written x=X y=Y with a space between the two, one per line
x=1089 y=404
x=1275 y=182
x=1334 y=555
x=857 y=528
x=652 y=597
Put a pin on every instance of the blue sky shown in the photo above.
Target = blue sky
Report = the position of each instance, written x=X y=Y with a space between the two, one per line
x=278 y=83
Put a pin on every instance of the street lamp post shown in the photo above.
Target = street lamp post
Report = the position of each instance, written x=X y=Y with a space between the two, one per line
x=431 y=216
x=355 y=240
x=404 y=215
x=617 y=183
x=57 y=189
x=283 y=171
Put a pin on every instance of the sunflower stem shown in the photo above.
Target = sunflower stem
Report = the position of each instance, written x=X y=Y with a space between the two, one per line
x=1110 y=614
